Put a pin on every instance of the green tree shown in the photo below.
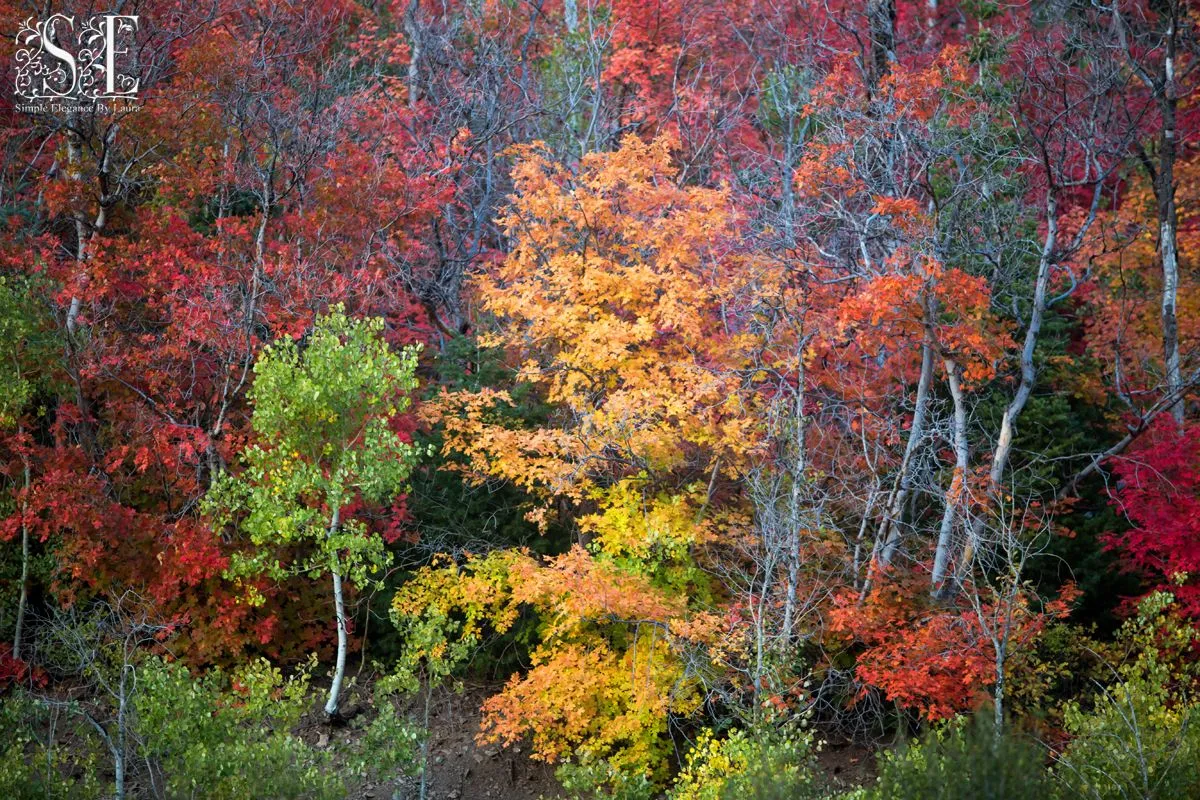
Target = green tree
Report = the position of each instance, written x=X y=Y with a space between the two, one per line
x=324 y=413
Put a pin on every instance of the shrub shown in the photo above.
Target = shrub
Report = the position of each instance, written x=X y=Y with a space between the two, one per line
x=964 y=759
x=592 y=778
x=229 y=737
x=1142 y=738
x=32 y=766
x=761 y=763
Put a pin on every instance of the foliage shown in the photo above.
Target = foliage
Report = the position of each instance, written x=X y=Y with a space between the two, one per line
x=965 y=758
x=607 y=298
x=761 y=345
x=1160 y=494
x=762 y=763
x=390 y=744
x=588 y=778
x=1142 y=737
x=447 y=510
x=1124 y=306
x=222 y=735
x=607 y=664
x=936 y=661
x=1064 y=661
x=25 y=348
x=37 y=767
x=229 y=736
x=324 y=416
x=445 y=612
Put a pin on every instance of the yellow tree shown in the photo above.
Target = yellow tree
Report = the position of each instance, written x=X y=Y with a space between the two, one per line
x=613 y=306
x=612 y=303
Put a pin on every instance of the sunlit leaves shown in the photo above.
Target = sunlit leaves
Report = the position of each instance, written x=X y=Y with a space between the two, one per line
x=324 y=411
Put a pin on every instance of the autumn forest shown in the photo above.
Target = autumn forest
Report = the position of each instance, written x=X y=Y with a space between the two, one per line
x=628 y=399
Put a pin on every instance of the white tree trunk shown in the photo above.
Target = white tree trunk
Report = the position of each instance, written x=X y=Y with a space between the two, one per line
x=23 y=599
x=122 y=732
x=1170 y=323
x=798 y=465
x=1032 y=333
x=1004 y=442
x=941 y=560
x=412 y=30
x=339 y=672
x=890 y=527
x=1168 y=221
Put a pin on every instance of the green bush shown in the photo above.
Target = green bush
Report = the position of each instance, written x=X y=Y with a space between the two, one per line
x=218 y=737
x=39 y=773
x=599 y=779
x=1142 y=738
x=761 y=763
x=964 y=759
x=229 y=738
x=32 y=766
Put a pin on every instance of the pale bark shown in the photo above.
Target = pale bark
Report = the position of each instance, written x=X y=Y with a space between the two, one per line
x=122 y=733
x=1164 y=87
x=1032 y=333
x=799 y=458
x=413 y=31
x=998 y=693
x=890 y=529
x=1168 y=220
x=339 y=672
x=941 y=561
x=23 y=599
x=1170 y=323
x=1004 y=442
x=75 y=174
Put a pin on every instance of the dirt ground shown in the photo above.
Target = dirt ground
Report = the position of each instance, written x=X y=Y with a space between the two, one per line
x=460 y=769
x=846 y=765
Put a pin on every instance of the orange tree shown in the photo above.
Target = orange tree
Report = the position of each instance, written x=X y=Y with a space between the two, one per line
x=611 y=306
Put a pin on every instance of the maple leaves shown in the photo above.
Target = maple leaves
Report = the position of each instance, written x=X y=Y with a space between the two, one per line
x=1124 y=293
x=251 y=191
x=761 y=270
x=938 y=661
x=606 y=672
x=610 y=303
x=955 y=306
x=608 y=662
x=1160 y=494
